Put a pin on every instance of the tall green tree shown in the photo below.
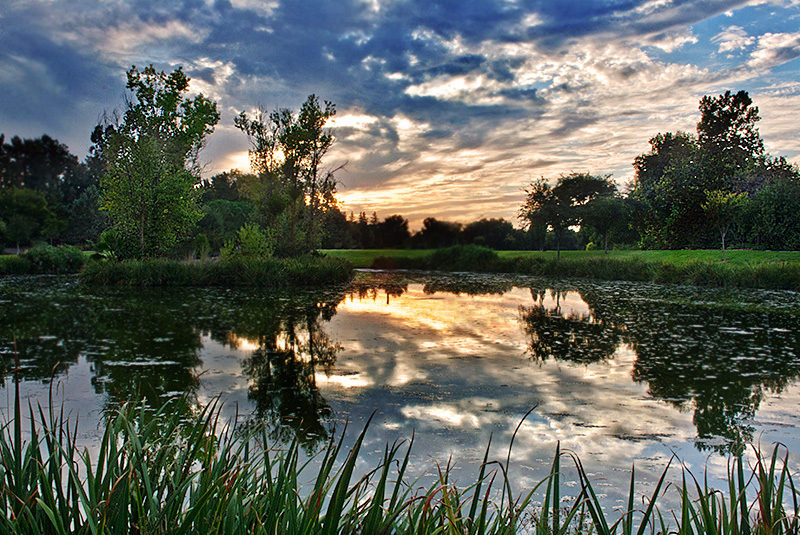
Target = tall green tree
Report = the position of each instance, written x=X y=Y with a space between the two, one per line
x=292 y=189
x=151 y=158
x=605 y=214
x=726 y=155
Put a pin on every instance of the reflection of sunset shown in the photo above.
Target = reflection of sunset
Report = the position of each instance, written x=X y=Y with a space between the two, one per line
x=345 y=381
x=446 y=313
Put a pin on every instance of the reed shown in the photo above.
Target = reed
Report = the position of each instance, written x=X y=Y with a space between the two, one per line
x=156 y=472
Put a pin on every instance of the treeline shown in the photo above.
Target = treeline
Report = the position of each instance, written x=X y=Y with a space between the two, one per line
x=139 y=194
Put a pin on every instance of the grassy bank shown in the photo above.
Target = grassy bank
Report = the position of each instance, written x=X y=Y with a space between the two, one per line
x=744 y=269
x=161 y=474
x=266 y=273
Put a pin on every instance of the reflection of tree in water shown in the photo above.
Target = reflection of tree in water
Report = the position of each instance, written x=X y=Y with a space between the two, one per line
x=291 y=347
x=721 y=362
x=718 y=362
x=148 y=348
x=574 y=337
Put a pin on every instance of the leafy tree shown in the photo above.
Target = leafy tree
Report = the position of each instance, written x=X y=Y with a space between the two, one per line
x=25 y=214
x=773 y=215
x=151 y=159
x=724 y=210
x=727 y=155
x=604 y=214
x=393 y=232
x=222 y=219
x=728 y=135
x=223 y=186
x=291 y=190
x=42 y=164
x=561 y=206
x=494 y=233
x=436 y=234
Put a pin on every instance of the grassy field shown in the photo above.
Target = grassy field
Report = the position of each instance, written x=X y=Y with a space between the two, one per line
x=363 y=258
x=743 y=269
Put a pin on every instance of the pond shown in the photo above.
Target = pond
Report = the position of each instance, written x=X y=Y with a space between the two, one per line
x=618 y=373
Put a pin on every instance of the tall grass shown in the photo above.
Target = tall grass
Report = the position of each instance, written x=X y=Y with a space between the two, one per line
x=269 y=273
x=159 y=473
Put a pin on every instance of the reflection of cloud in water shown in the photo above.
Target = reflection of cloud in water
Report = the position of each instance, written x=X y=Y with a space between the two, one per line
x=452 y=368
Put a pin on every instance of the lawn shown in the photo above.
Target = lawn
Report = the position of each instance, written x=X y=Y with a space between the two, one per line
x=362 y=258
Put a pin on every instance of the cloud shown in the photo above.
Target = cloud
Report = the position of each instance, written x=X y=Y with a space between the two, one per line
x=775 y=49
x=732 y=39
x=471 y=97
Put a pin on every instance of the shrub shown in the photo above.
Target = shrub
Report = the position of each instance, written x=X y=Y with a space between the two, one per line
x=250 y=242
x=49 y=259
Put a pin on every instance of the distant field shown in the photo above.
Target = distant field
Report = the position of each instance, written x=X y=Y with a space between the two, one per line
x=363 y=258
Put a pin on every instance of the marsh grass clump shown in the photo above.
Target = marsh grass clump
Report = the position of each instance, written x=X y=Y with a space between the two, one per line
x=159 y=472
x=256 y=272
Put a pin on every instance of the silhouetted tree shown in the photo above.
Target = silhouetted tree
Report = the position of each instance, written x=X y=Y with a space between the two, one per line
x=436 y=234
x=393 y=232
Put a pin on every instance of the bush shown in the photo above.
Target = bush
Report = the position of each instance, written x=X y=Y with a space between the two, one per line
x=49 y=259
x=250 y=242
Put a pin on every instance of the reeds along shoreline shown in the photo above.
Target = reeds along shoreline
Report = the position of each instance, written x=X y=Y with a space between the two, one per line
x=773 y=275
x=160 y=473
x=267 y=273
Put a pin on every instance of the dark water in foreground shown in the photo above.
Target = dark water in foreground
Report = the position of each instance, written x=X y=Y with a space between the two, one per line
x=618 y=372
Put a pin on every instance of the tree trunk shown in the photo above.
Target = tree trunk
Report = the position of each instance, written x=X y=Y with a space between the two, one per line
x=605 y=243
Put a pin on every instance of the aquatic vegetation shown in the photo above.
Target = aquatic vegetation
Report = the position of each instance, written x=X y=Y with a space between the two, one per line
x=258 y=272
x=160 y=472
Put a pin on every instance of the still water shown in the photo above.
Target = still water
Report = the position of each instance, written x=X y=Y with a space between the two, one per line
x=619 y=373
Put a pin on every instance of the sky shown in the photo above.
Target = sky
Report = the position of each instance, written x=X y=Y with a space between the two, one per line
x=445 y=109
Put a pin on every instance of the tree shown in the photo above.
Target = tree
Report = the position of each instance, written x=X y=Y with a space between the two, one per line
x=560 y=207
x=436 y=233
x=151 y=159
x=604 y=214
x=726 y=155
x=25 y=214
x=494 y=233
x=724 y=210
x=393 y=232
x=292 y=190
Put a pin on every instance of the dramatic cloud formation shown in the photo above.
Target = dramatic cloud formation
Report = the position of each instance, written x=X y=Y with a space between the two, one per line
x=445 y=108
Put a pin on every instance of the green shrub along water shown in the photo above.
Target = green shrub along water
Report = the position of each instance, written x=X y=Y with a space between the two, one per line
x=43 y=259
x=777 y=275
x=258 y=272
x=160 y=473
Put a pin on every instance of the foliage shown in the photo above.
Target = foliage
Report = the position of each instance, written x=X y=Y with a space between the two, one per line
x=151 y=162
x=773 y=215
x=436 y=233
x=563 y=205
x=727 y=155
x=250 y=242
x=604 y=214
x=43 y=259
x=25 y=214
x=158 y=473
x=290 y=189
x=724 y=211
x=257 y=272
x=222 y=219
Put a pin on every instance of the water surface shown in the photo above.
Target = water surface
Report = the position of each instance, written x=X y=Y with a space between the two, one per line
x=617 y=372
